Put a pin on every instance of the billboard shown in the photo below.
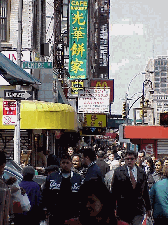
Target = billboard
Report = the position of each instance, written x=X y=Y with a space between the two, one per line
x=94 y=120
x=103 y=83
x=94 y=100
x=78 y=39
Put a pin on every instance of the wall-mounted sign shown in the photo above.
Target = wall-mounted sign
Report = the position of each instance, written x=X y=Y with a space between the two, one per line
x=9 y=112
x=94 y=120
x=37 y=65
x=78 y=39
x=104 y=83
x=93 y=100
x=75 y=86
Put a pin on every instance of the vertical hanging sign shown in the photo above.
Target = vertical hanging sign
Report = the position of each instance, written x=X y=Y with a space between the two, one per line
x=78 y=39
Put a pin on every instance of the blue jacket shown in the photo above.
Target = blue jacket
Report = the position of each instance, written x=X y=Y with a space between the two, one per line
x=93 y=171
x=34 y=193
x=159 y=199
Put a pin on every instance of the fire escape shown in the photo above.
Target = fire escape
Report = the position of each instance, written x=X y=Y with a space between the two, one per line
x=61 y=33
x=98 y=53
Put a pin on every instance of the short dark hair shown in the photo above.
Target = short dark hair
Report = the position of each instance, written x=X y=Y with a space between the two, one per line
x=100 y=154
x=2 y=158
x=130 y=152
x=90 y=153
x=66 y=156
x=76 y=154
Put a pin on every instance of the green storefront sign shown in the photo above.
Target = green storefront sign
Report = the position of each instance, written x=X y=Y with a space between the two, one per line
x=78 y=39
x=37 y=65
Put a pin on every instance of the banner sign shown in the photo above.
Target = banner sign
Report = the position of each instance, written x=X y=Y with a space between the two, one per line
x=104 y=83
x=75 y=86
x=9 y=112
x=94 y=120
x=93 y=100
x=78 y=39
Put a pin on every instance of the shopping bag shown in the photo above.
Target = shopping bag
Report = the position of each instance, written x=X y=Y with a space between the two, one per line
x=25 y=203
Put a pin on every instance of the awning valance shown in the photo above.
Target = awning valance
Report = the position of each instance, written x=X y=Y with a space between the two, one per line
x=44 y=115
x=14 y=74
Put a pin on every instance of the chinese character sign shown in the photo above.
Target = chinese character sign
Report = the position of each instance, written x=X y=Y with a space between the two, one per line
x=78 y=39
x=9 y=112
x=94 y=120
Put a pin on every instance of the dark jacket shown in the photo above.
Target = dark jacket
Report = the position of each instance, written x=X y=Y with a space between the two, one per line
x=104 y=167
x=93 y=171
x=130 y=202
x=61 y=195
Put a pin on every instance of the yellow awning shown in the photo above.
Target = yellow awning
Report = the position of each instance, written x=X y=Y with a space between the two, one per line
x=44 y=115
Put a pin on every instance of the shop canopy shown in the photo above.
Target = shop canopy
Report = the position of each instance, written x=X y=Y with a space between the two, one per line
x=44 y=115
x=14 y=74
x=145 y=132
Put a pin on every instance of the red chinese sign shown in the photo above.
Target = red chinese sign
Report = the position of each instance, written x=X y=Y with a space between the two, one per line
x=104 y=83
x=9 y=112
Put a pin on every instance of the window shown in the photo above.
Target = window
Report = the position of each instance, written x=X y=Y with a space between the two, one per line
x=156 y=85
x=163 y=74
x=163 y=85
x=156 y=74
x=157 y=79
x=163 y=79
x=3 y=19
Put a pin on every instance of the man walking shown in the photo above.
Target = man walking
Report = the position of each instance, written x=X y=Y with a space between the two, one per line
x=88 y=160
x=60 y=193
x=130 y=191
x=104 y=167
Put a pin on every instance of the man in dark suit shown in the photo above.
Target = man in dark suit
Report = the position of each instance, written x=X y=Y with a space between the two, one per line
x=88 y=160
x=130 y=191
x=104 y=167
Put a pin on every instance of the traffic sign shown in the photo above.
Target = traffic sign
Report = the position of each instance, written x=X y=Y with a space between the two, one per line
x=18 y=95
x=37 y=65
x=9 y=112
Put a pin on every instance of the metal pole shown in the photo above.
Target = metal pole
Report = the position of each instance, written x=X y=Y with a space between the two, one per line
x=19 y=49
x=17 y=135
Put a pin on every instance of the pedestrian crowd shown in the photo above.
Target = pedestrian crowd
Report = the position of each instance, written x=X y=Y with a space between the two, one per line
x=94 y=186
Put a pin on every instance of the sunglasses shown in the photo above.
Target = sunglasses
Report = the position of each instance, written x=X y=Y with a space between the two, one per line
x=129 y=158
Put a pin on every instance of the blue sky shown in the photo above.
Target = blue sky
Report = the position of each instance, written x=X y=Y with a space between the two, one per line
x=138 y=31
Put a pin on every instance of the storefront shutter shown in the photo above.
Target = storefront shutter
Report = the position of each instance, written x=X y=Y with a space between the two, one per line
x=162 y=147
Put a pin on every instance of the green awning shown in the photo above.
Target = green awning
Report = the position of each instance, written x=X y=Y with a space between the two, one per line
x=14 y=74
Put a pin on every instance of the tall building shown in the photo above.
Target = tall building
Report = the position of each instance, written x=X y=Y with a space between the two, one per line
x=157 y=73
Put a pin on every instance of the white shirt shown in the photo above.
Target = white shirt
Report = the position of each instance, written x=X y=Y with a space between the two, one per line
x=134 y=171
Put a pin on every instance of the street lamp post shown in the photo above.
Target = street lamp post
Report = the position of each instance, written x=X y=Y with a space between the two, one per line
x=127 y=93
x=143 y=96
